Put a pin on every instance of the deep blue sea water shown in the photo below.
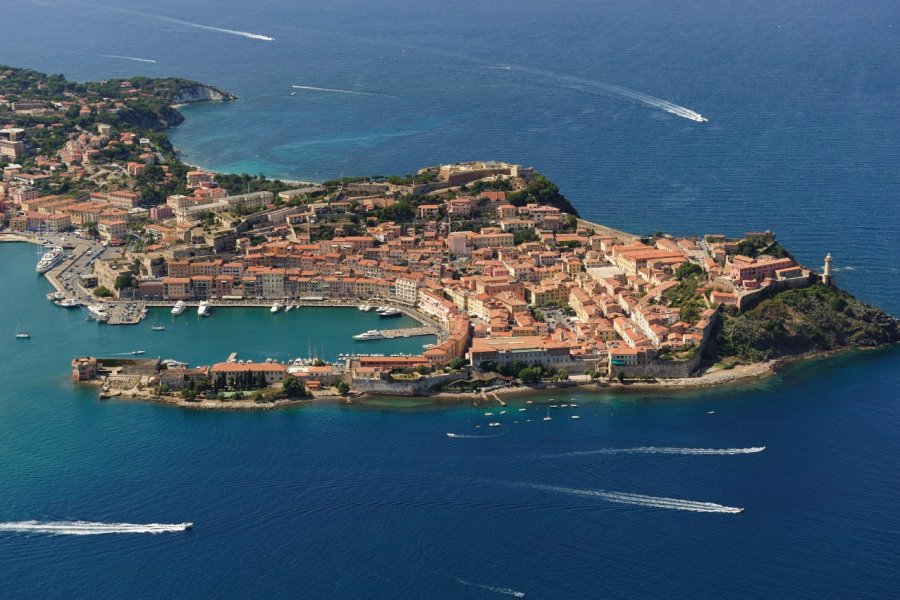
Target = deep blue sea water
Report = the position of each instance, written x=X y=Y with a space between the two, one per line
x=376 y=501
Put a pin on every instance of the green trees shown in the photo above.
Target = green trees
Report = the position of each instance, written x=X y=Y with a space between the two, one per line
x=457 y=363
x=293 y=387
x=102 y=292
x=343 y=388
x=125 y=280
x=529 y=375
x=686 y=270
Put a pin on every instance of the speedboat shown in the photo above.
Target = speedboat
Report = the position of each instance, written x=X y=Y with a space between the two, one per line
x=575 y=417
x=203 y=309
x=275 y=308
x=494 y=424
x=179 y=308
x=137 y=352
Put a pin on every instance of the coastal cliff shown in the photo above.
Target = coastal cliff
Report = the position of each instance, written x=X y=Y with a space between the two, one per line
x=819 y=318
x=191 y=93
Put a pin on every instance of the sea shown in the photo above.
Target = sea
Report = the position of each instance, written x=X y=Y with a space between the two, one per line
x=637 y=498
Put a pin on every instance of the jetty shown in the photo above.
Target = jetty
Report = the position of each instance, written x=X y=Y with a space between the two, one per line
x=406 y=332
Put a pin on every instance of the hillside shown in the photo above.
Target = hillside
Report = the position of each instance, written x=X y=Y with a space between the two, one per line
x=813 y=319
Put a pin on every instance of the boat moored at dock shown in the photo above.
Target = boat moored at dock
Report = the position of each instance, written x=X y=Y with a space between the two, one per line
x=179 y=308
x=204 y=309
x=50 y=259
x=372 y=334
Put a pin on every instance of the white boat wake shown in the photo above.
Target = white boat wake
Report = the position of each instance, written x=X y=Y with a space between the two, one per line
x=246 y=34
x=134 y=58
x=339 y=91
x=490 y=588
x=89 y=528
x=466 y=436
x=663 y=450
x=641 y=499
x=647 y=99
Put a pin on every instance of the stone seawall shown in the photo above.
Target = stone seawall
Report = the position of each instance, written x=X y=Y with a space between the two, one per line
x=424 y=386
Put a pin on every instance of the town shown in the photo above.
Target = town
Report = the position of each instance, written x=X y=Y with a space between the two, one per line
x=489 y=254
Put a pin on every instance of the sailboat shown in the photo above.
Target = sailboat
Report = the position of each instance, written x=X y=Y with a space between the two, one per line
x=548 y=417
x=157 y=326
x=22 y=335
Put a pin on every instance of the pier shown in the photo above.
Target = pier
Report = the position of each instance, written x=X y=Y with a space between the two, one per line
x=390 y=334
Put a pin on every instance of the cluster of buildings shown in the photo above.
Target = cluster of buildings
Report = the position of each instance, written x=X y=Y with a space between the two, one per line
x=499 y=302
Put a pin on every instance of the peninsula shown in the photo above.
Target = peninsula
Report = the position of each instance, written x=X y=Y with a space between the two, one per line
x=490 y=255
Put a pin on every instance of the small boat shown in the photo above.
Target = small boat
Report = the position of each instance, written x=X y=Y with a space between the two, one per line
x=575 y=417
x=548 y=417
x=489 y=414
x=494 y=424
x=137 y=352
x=22 y=335
x=502 y=412
x=203 y=309
x=158 y=328
x=364 y=307
x=179 y=308
x=521 y=410
x=710 y=412
x=68 y=303
x=275 y=308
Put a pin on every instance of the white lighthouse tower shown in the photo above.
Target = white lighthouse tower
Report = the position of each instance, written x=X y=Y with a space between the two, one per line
x=826 y=275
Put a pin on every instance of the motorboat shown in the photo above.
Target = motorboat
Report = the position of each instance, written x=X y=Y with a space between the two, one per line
x=179 y=308
x=68 y=303
x=203 y=309
x=275 y=308
x=390 y=312
x=364 y=307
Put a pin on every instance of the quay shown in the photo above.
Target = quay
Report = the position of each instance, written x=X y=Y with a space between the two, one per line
x=390 y=334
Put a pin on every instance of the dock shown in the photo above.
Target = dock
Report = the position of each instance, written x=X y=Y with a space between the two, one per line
x=390 y=334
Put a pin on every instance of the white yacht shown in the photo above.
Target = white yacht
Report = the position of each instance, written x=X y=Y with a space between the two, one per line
x=372 y=334
x=98 y=311
x=50 y=259
x=203 y=309
x=390 y=312
x=68 y=303
x=275 y=308
x=179 y=308
x=365 y=307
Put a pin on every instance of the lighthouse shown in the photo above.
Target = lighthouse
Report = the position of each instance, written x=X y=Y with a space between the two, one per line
x=826 y=275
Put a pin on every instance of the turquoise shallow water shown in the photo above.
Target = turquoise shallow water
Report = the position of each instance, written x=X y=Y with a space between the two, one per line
x=376 y=501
